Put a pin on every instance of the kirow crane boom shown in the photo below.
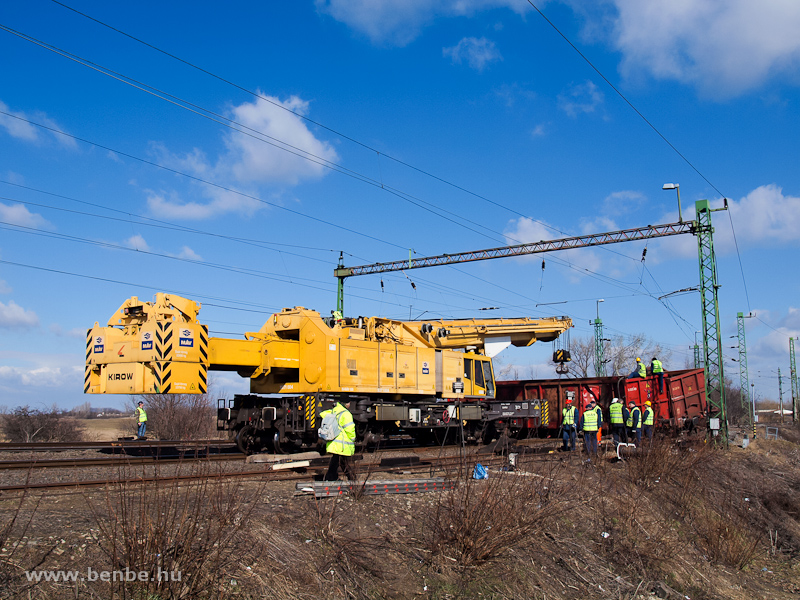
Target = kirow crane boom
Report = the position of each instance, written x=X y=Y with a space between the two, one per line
x=395 y=371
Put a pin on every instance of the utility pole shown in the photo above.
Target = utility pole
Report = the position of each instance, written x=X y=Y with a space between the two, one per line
x=793 y=376
x=709 y=288
x=340 y=286
x=698 y=358
x=599 y=354
x=744 y=383
x=780 y=393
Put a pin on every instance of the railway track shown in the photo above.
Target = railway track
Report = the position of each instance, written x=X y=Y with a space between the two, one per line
x=70 y=463
x=112 y=445
x=425 y=459
x=462 y=463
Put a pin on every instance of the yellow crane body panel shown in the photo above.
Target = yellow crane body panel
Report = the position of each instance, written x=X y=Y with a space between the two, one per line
x=160 y=347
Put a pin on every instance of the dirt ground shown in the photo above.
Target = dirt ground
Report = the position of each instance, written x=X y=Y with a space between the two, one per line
x=111 y=428
x=679 y=521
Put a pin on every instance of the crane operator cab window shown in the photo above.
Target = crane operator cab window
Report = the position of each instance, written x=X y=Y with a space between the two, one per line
x=478 y=382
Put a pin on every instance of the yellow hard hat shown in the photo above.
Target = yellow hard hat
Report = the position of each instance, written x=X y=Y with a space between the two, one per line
x=647 y=403
x=638 y=359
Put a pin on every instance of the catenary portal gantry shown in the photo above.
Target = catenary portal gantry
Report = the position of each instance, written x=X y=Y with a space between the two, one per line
x=709 y=287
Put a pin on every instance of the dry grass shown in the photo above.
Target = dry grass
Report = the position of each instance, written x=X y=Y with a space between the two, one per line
x=478 y=522
x=16 y=556
x=191 y=538
x=709 y=524
x=104 y=429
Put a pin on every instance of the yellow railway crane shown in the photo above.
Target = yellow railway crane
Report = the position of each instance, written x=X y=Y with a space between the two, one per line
x=414 y=377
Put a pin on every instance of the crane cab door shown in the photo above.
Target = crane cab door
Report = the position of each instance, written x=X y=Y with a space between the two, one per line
x=478 y=377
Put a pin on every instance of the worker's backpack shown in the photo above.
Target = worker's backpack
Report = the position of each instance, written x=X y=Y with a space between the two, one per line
x=329 y=429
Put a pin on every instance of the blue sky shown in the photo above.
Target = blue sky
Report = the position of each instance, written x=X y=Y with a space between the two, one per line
x=381 y=126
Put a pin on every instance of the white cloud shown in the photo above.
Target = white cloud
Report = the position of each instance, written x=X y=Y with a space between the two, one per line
x=398 y=22
x=4 y=287
x=623 y=202
x=512 y=93
x=584 y=98
x=13 y=316
x=538 y=131
x=766 y=215
x=765 y=218
x=75 y=332
x=722 y=46
x=17 y=126
x=170 y=205
x=187 y=252
x=525 y=230
x=247 y=162
x=18 y=214
x=48 y=377
x=137 y=242
x=253 y=161
x=476 y=52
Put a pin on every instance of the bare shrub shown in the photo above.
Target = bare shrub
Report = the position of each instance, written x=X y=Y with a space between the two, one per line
x=179 y=416
x=83 y=411
x=192 y=539
x=663 y=460
x=26 y=424
x=478 y=521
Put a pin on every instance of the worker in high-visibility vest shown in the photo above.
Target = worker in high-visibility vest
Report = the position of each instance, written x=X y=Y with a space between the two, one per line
x=657 y=369
x=569 y=425
x=634 y=423
x=649 y=420
x=591 y=422
x=343 y=446
x=140 y=414
x=639 y=371
x=617 y=419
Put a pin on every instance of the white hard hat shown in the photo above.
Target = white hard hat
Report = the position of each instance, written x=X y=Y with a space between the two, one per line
x=615 y=400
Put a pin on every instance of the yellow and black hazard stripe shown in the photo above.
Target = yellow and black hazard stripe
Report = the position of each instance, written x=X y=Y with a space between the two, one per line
x=545 y=418
x=311 y=411
x=163 y=372
x=163 y=340
x=203 y=381
x=203 y=348
x=86 y=378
